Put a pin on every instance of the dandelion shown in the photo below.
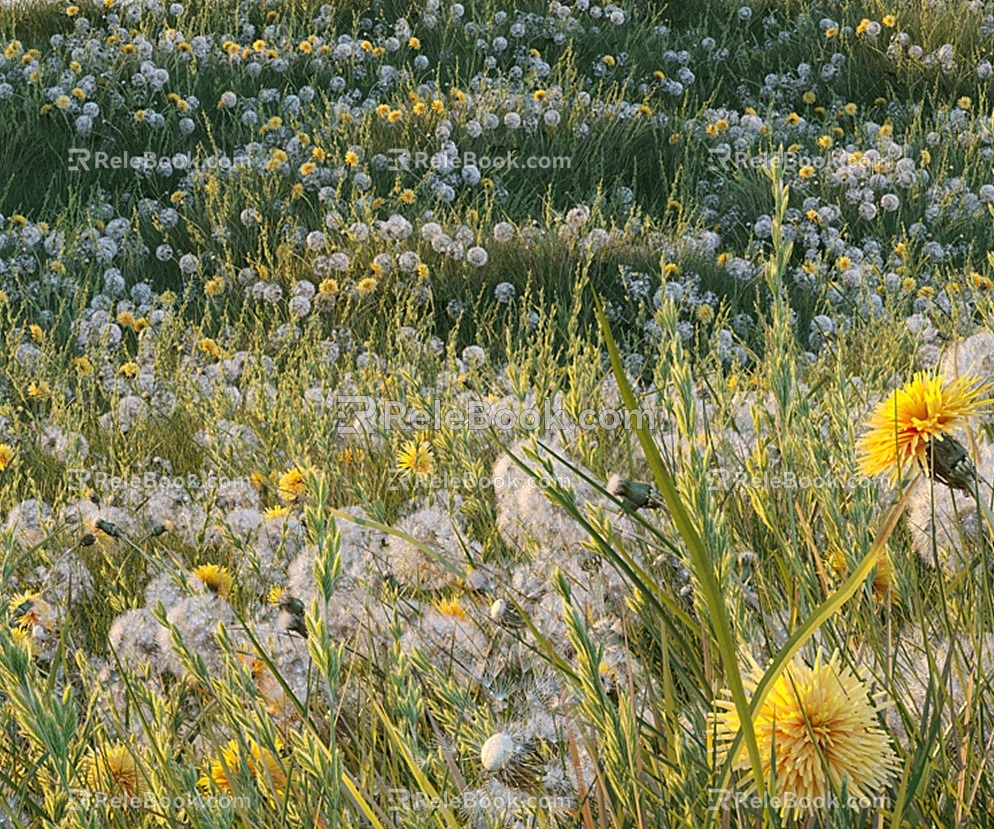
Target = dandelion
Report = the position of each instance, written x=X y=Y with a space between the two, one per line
x=818 y=727
x=515 y=763
x=113 y=770
x=292 y=485
x=367 y=285
x=6 y=456
x=216 y=579
x=262 y=765
x=415 y=458
x=916 y=417
x=39 y=390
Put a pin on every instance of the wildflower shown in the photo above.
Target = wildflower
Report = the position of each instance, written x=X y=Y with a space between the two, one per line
x=292 y=485
x=262 y=765
x=39 y=390
x=113 y=770
x=415 y=458
x=6 y=456
x=367 y=285
x=451 y=607
x=216 y=579
x=129 y=369
x=273 y=513
x=916 y=418
x=819 y=727
x=209 y=347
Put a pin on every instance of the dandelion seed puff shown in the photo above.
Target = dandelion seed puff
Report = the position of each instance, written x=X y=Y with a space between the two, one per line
x=134 y=638
x=410 y=564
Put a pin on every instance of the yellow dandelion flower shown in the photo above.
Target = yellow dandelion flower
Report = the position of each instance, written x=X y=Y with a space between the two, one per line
x=113 y=770
x=216 y=579
x=452 y=608
x=209 y=347
x=925 y=408
x=818 y=727
x=39 y=390
x=273 y=513
x=351 y=158
x=6 y=455
x=83 y=365
x=129 y=370
x=292 y=485
x=367 y=285
x=415 y=458
x=261 y=764
x=413 y=43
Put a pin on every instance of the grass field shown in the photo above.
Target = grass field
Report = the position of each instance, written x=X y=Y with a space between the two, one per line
x=510 y=414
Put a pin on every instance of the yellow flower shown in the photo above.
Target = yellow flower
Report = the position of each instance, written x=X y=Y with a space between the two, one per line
x=925 y=408
x=367 y=285
x=6 y=456
x=129 y=370
x=39 y=390
x=818 y=727
x=216 y=579
x=83 y=365
x=806 y=171
x=414 y=43
x=292 y=485
x=72 y=11
x=451 y=607
x=261 y=764
x=415 y=458
x=112 y=770
x=889 y=20
x=209 y=347
x=36 y=333
x=351 y=158
x=422 y=270
x=608 y=60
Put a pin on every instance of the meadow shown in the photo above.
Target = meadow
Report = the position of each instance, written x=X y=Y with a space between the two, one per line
x=508 y=414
